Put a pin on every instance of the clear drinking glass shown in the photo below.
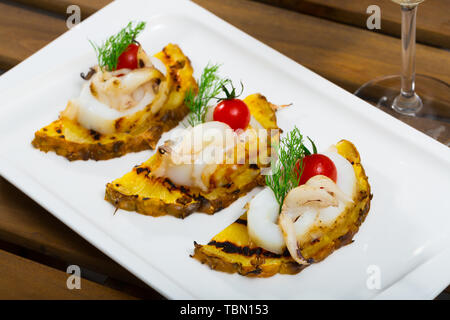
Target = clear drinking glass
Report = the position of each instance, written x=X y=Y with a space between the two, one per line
x=419 y=100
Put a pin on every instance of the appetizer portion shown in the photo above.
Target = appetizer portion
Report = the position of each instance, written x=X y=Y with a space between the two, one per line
x=127 y=102
x=208 y=165
x=312 y=205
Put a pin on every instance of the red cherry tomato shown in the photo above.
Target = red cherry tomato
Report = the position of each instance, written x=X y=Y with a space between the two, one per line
x=233 y=112
x=128 y=58
x=316 y=164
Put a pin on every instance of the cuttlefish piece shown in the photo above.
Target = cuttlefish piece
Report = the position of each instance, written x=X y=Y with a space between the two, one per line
x=318 y=192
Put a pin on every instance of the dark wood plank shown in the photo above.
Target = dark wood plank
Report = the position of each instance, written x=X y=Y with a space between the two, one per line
x=346 y=55
x=433 y=22
x=433 y=26
x=26 y=224
x=87 y=7
x=25 y=279
x=24 y=31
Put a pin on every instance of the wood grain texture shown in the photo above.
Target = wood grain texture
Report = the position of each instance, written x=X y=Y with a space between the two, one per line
x=25 y=223
x=24 y=31
x=433 y=20
x=87 y=7
x=24 y=279
x=346 y=55
x=433 y=24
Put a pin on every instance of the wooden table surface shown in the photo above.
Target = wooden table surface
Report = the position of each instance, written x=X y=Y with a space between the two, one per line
x=327 y=36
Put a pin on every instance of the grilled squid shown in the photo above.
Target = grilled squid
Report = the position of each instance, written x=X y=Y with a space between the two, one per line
x=108 y=97
x=262 y=222
x=190 y=159
x=301 y=210
x=193 y=157
x=305 y=211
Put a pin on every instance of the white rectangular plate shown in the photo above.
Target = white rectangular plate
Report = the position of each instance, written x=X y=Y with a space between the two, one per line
x=402 y=241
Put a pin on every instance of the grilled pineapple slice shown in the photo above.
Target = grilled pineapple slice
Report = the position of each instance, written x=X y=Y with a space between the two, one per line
x=137 y=191
x=232 y=250
x=69 y=139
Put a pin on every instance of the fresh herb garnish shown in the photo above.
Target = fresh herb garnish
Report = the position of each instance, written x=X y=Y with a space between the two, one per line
x=230 y=95
x=210 y=85
x=307 y=152
x=109 y=52
x=285 y=175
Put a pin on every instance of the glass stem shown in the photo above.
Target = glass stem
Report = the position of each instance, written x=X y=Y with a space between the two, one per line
x=408 y=49
x=408 y=102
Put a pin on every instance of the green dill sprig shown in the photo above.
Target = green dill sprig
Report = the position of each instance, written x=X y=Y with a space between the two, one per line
x=209 y=86
x=285 y=175
x=109 y=52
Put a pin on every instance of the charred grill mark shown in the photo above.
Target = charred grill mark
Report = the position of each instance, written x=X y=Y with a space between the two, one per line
x=241 y=221
x=237 y=191
x=346 y=238
x=165 y=117
x=85 y=154
x=141 y=63
x=172 y=186
x=180 y=64
x=176 y=79
x=363 y=212
x=95 y=135
x=299 y=254
x=62 y=136
x=254 y=166
x=203 y=201
x=117 y=146
x=286 y=253
x=139 y=170
x=58 y=130
x=166 y=54
x=133 y=125
x=230 y=247
x=118 y=123
x=254 y=272
x=183 y=200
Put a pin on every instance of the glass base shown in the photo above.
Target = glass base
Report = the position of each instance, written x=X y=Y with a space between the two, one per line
x=427 y=111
